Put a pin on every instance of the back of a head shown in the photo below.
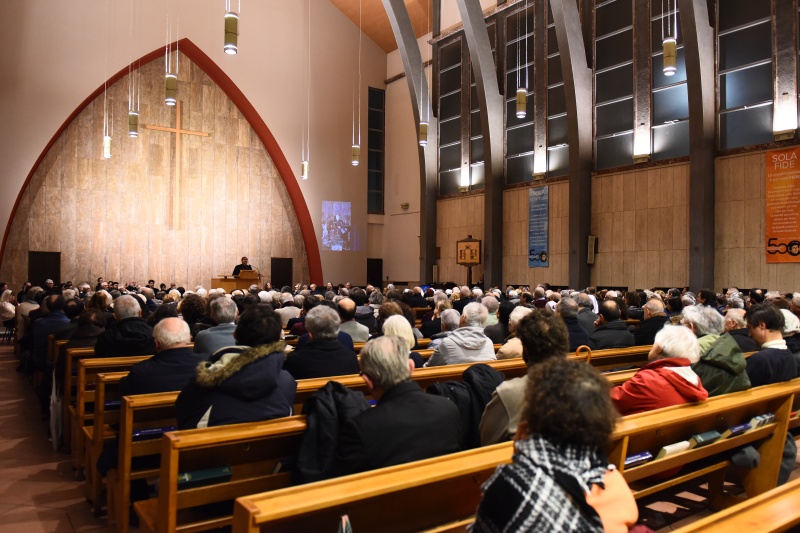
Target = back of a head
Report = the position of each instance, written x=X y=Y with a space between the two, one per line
x=56 y=302
x=654 y=307
x=706 y=320
x=567 y=308
x=504 y=312
x=465 y=292
x=359 y=296
x=678 y=341
x=568 y=402
x=258 y=325
x=398 y=326
x=518 y=314
x=767 y=313
x=92 y=317
x=584 y=301
x=543 y=335
x=475 y=315
x=347 y=309
x=322 y=323
x=389 y=309
x=490 y=303
x=73 y=308
x=223 y=310
x=376 y=298
x=791 y=324
x=385 y=361
x=171 y=332
x=736 y=316
x=450 y=319
x=126 y=307
x=609 y=310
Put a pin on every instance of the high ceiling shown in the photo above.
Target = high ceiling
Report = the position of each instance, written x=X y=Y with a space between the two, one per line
x=375 y=22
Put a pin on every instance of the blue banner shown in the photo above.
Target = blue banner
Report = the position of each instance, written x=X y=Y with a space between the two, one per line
x=538 y=224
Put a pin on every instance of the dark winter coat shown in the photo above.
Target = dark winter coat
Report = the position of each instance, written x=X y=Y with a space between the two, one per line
x=612 y=334
x=129 y=336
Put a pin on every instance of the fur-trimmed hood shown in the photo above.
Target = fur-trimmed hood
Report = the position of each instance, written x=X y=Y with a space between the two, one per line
x=244 y=372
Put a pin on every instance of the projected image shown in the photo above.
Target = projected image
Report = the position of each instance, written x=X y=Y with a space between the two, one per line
x=336 y=230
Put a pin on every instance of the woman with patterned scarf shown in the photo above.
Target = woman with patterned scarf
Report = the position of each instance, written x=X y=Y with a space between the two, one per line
x=560 y=479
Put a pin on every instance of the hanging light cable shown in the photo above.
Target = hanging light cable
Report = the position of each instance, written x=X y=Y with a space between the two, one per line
x=423 y=102
x=231 y=42
x=356 y=148
x=106 y=118
x=170 y=65
x=522 y=91
x=134 y=82
x=306 y=149
x=669 y=38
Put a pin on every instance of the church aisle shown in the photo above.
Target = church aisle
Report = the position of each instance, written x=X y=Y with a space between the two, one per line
x=37 y=490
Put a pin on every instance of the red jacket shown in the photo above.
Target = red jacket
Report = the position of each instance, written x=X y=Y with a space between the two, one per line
x=660 y=383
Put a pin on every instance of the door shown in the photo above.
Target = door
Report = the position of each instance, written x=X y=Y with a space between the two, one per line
x=281 y=272
x=375 y=272
x=44 y=265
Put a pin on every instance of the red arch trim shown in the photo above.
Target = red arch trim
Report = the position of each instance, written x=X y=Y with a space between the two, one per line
x=233 y=92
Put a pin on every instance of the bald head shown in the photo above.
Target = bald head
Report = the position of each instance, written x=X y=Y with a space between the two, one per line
x=347 y=309
x=734 y=319
x=653 y=308
x=170 y=333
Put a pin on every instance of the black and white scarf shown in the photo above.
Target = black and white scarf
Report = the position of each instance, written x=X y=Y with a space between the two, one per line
x=543 y=489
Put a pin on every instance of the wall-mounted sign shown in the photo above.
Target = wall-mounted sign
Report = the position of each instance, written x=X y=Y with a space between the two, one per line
x=538 y=227
x=783 y=206
x=468 y=252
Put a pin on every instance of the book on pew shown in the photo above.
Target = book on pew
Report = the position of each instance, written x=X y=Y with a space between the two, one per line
x=762 y=420
x=672 y=449
x=638 y=459
x=703 y=439
x=202 y=478
x=151 y=433
x=735 y=431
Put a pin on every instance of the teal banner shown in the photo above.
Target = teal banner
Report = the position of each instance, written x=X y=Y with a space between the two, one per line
x=538 y=224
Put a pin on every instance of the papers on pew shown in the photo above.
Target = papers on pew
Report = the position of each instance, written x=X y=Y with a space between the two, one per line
x=202 y=478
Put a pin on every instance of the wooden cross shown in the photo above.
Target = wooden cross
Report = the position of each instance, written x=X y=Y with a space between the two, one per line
x=176 y=197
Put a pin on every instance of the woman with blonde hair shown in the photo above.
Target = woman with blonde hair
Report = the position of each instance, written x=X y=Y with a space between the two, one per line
x=398 y=326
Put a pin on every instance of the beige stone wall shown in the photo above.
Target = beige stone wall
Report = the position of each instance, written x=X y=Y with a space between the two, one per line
x=515 y=238
x=641 y=219
x=112 y=218
x=740 y=230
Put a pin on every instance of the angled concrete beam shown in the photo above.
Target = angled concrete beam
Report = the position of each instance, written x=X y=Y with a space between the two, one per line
x=698 y=46
x=418 y=89
x=491 y=105
x=578 y=91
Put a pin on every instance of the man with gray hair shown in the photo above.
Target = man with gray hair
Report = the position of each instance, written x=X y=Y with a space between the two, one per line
x=512 y=348
x=223 y=313
x=405 y=425
x=466 y=298
x=323 y=355
x=129 y=334
x=468 y=343
x=722 y=366
x=289 y=308
x=586 y=316
x=654 y=320
x=736 y=327
x=449 y=323
x=173 y=365
x=567 y=309
x=492 y=304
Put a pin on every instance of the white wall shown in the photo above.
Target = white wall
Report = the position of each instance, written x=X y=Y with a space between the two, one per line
x=53 y=56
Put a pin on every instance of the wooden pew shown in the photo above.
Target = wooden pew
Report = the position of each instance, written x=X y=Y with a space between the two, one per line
x=613 y=357
x=68 y=390
x=380 y=499
x=253 y=452
x=88 y=369
x=140 y=412
x=771 y=512
x=105 y=416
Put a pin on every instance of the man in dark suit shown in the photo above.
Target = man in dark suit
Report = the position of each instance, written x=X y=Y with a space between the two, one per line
x=567 y=309
x=654 y=320
x=174 y=364
x=586 y=316
x=129 y=334
x=736 y=326
x=611 y=332
x=406 y=424
x=323 y=355
x=223 y=313
x=242 y=266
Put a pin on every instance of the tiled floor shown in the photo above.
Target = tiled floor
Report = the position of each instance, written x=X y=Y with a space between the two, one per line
x=37 y=490
x=39 y=494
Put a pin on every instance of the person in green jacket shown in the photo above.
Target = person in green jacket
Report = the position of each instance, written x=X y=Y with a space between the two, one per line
x=722 y=364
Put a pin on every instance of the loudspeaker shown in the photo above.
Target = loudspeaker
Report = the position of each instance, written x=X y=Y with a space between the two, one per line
x=592 y=248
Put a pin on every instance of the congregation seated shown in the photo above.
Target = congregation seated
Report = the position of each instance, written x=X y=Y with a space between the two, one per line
x=364 y=314
x=129 y=334
x=54 y=320
x=722 y=365
x=468 y=343
x=448 y=322
x=405 y=425
x=465 y=298
x=774 y=362
x=417 y=299
x=398 y=326
x=347 y=314
x=543 y=336
x=91 y=324
x=512 y=348
x=73 y=308
x=567 y=308
x=492 y=305
x=610 y=331
x=667 y=379
x=289 y=308
x=242 y=383
x=432 y=321
x=224 y=314
x=736 y=327
x=560 y=479
x=586 y=315
x=172 y=366
x=653 y=319
x=500 y=331
x=323 y=355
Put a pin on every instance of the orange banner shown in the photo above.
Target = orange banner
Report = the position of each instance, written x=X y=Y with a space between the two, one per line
x=783 y=206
